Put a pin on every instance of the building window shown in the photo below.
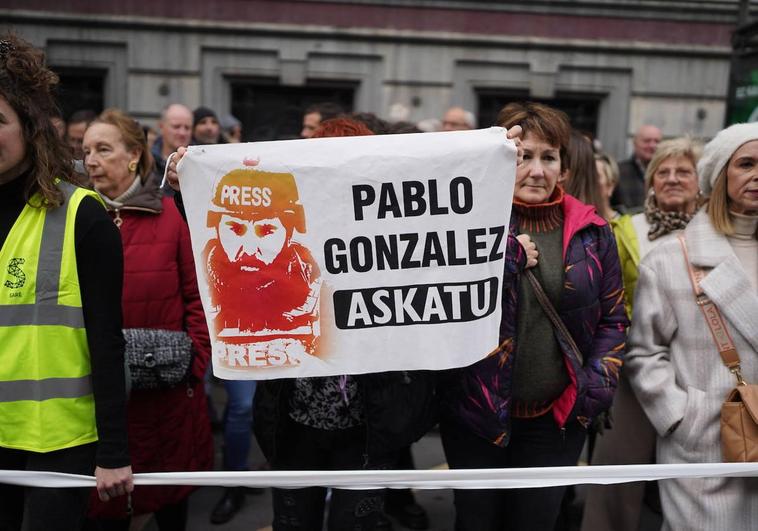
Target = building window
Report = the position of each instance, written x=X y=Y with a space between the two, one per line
x=80 y=88
x=269 y=111
x=582 y=109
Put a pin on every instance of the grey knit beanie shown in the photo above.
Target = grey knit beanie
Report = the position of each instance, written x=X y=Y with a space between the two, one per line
x=718 y=151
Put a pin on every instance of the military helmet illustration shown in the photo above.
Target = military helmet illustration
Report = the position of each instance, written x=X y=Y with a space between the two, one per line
x=257 y=194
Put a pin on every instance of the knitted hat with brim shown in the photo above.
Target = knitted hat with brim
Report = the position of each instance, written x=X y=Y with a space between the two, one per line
x=718 y=151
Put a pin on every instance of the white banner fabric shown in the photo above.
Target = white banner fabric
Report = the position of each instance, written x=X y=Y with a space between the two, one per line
x=350 y=255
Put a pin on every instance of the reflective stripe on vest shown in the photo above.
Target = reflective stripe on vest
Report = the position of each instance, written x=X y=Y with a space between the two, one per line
x=31 y=314
x=39 y=390
x=46 y=400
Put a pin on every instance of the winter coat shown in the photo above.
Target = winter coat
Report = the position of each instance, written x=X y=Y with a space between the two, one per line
x=169 y=429
x=677 y=374
x=631 y=440
x=592 y=308
x=398 y=407
x=630 y=192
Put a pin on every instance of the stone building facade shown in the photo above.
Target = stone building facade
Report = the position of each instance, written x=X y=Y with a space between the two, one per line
x=612 y=64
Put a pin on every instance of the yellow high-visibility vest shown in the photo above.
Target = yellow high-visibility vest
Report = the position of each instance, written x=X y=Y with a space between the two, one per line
x=46 y=400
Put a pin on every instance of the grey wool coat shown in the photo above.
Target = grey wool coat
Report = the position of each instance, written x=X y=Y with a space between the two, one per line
x=677 y=373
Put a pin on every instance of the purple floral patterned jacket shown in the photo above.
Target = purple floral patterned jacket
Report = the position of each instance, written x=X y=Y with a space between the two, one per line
x=592 y=308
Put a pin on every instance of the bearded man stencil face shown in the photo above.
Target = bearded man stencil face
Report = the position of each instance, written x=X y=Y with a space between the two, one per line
x=262 y=284
x=252 y=244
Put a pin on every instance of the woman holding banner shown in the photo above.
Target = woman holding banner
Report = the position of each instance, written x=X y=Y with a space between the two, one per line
x=562 y=336
x=168 y=423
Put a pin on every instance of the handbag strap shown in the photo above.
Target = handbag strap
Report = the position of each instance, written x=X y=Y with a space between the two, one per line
x=713 y=317
x=552 y=314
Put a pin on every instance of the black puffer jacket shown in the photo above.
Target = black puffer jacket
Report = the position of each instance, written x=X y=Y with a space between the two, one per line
x=399 y=408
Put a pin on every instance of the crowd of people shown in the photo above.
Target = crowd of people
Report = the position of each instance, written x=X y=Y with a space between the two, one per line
x=602 y=341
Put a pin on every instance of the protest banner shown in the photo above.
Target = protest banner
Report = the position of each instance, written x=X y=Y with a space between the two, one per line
x=350 y=255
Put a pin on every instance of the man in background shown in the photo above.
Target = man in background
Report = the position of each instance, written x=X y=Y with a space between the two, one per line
x=175 y=128
x=75 y=128
x=205 y=127
x=231 y=129
x=630 y=192
x=458 y=119
x=317 y=113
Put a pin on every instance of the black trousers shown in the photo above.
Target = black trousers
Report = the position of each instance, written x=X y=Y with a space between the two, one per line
x=534 y=443
x=399 y=498
x=168 y=518
x=306 y=448
x=44 y=509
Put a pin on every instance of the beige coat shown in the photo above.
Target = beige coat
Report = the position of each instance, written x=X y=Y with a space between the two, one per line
x=677 y=373
x=631 y=439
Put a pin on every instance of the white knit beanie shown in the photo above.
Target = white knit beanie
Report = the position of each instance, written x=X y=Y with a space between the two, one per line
x=718 y=151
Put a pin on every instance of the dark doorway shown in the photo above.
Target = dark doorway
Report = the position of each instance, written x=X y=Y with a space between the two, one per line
x=269 y=111
x=80 y=88
x=582 y=109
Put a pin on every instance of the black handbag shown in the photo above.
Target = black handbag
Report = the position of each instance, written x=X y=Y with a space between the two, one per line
x=157 y=359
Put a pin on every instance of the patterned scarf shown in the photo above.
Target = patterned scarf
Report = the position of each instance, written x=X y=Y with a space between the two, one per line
x=662 y=223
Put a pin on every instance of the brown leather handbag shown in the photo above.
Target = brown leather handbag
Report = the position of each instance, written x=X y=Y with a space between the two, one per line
x=739 y=412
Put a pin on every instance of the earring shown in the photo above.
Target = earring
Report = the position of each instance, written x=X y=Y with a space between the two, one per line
x=133 y=166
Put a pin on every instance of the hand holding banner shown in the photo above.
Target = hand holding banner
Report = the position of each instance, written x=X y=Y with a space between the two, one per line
x=350 y=255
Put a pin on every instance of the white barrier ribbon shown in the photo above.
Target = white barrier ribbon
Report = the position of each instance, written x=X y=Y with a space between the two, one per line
x=503 y=478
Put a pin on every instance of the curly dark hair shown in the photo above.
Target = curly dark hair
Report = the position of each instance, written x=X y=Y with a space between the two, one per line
x=27 y=85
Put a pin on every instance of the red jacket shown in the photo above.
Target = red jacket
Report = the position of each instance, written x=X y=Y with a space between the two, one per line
x=169 y=430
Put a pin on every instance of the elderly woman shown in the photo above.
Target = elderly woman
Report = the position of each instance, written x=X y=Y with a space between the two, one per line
x=673 y=363
x=169 y=429
x=528 y=404
x=673 y=196
x=672 y=200
x=62 y=376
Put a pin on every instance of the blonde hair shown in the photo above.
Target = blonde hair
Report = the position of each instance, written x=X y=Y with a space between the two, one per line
x=683 y=146
x=718 y=205
x=610 y=166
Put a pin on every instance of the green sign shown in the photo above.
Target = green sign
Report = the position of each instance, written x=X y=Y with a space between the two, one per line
x=744 y=106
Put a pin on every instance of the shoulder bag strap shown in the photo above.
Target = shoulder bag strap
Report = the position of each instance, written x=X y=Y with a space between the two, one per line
x=552 y=314
x=713 y=317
